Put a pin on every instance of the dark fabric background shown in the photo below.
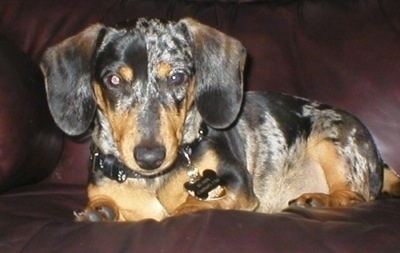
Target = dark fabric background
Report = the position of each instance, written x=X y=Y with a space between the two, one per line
x=345 y=53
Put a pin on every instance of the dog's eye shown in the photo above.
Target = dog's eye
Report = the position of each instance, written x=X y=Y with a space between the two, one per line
x=112 y=80
x=177 y=78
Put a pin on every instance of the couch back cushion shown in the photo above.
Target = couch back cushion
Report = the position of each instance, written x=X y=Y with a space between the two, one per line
x=30 y=144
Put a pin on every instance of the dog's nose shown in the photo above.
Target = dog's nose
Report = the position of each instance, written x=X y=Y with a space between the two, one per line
x=149 y=157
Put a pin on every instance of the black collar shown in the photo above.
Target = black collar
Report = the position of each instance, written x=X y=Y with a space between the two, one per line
x=112 y=168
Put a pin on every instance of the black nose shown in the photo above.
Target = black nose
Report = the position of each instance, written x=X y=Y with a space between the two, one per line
x=149 y=157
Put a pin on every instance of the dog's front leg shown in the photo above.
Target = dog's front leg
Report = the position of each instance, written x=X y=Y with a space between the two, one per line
x=193 y=204
x=230 y=201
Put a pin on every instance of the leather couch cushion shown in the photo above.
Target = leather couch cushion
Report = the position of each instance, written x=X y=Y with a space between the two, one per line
x=29 y=144
x=38 y=219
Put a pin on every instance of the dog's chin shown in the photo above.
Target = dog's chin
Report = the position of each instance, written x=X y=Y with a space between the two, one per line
x=164 y=168
x=151 y=173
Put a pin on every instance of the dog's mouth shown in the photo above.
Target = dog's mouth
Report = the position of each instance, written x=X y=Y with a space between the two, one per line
x=150 y=160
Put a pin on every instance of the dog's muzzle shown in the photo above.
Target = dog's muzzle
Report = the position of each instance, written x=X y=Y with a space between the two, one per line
x=149 y=157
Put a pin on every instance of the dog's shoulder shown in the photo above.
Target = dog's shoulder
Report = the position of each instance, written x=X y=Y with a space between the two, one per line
x=278 y=113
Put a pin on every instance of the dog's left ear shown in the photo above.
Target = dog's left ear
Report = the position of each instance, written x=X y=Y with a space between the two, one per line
x=219 y=67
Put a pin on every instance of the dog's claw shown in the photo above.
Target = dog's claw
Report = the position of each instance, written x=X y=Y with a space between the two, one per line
x=78 y=213
x=107 y=212
x=305 y=202
x=100 y=213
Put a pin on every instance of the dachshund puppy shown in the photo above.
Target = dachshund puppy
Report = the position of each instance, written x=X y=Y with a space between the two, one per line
x=173 y=132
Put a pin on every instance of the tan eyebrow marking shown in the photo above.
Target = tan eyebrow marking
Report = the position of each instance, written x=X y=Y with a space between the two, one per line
x=164 y=69
x=127 y=73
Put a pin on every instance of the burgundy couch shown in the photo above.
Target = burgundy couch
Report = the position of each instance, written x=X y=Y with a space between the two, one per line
x=342 y=52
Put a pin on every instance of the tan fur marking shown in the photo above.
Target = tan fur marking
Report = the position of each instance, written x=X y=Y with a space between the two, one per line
x=391 y=182
x=171 y=129
x=173 y=194
x=340 y=194
x=127 y=73
x=172 y=123
x=164 y=69
x=190 y=94
x=101 y=102
x=126 y=137
x=324 y=152
x=124 y=128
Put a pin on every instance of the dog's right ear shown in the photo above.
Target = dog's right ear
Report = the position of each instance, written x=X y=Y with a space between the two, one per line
x=67 y=69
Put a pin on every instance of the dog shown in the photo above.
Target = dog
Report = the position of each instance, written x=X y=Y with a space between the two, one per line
x=173 y=131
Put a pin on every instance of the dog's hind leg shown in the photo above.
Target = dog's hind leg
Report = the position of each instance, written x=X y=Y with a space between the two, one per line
x=352 y=166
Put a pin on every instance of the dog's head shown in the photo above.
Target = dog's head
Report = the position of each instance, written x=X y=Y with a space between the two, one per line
x=145 y=87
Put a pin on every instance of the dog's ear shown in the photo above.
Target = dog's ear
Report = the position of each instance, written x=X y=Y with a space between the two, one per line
x=67 y=71
x=219 y=67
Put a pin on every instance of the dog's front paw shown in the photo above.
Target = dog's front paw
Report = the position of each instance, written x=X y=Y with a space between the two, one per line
x=335 y=199
x=193 y=205
x=95 y=214
x=186 y=209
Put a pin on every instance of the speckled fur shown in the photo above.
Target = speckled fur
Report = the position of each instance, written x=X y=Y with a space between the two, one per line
x=149 y=85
